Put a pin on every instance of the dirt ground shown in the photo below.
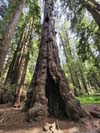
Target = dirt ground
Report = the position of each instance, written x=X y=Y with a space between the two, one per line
x=13 y=121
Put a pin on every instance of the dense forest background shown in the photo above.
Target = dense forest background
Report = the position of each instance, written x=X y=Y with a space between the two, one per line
x=50 y=61
x=77 y=35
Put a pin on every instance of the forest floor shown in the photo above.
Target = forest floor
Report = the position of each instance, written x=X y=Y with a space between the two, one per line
x=13 y=121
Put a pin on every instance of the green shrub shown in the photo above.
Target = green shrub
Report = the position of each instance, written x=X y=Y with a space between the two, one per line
x=91 y=99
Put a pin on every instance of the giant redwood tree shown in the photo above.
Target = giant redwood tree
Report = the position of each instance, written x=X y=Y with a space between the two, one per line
x=49 y=92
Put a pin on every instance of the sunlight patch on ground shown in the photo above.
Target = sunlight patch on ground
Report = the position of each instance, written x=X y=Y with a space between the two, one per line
x=71 y=130
x=36 y=130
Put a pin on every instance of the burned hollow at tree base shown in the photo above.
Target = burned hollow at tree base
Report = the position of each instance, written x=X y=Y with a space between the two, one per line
x=55 y=103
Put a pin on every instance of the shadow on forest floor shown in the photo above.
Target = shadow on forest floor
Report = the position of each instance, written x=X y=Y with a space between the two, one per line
x=13 y=121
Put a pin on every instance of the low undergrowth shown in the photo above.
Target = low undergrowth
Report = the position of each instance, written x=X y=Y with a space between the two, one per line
x=89 y=99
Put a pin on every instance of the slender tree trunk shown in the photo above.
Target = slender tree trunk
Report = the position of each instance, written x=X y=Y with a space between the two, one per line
x=96 y=80
x=76 y=75
x=9 y=31
x=23 y=71
x=17 y=70
x=76 y=83
x=11 y=72
x=49 y=91
x=19 y=89
x=73 y=67
x=83 y=79
x=72 y=70
x=14 y=72
x=7 y=65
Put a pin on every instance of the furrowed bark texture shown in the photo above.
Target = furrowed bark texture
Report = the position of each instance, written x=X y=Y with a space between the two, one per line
x=8 y=33
x=49 y=91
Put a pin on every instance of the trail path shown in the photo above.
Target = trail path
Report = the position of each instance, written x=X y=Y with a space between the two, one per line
x=13 y=121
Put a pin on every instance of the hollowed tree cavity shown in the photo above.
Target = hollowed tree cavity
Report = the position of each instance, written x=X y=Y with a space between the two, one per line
x=55 y=103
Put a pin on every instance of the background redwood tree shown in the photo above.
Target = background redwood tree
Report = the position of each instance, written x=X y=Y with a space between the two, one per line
x=9 y=32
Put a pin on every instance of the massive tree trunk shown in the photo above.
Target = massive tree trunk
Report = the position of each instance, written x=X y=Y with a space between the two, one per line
x=8 y=33
x=49 y=91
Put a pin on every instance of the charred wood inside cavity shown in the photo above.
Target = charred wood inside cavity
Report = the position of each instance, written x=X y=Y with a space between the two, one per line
x=55 y=103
